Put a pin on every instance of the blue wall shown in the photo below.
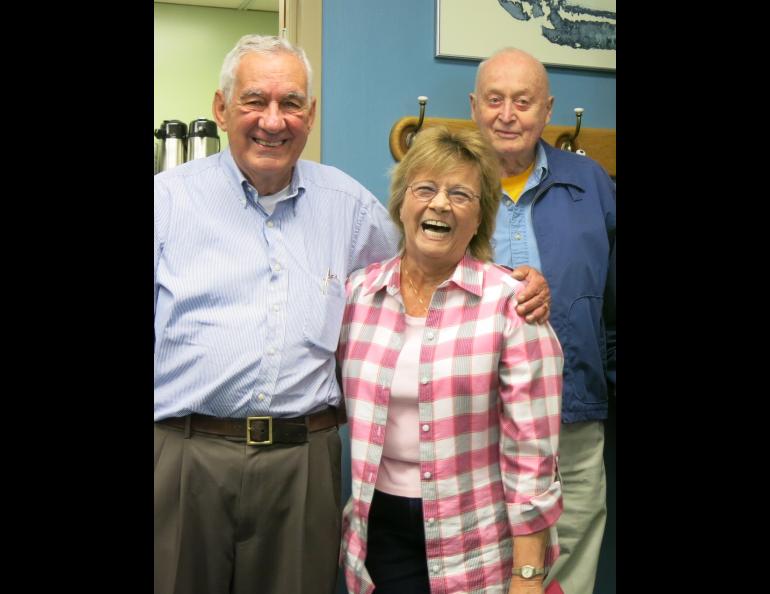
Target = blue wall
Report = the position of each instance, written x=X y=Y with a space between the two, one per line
x=378 y=56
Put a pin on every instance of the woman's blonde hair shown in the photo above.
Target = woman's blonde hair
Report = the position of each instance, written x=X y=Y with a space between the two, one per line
x=439 y=149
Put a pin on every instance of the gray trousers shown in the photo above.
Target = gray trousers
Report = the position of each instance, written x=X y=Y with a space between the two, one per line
x=237 y=519
x=584 y=489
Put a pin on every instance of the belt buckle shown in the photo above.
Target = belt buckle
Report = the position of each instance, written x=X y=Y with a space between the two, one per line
x=269 y=440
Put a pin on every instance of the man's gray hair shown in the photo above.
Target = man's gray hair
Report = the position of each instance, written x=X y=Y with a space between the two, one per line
x=259 y=44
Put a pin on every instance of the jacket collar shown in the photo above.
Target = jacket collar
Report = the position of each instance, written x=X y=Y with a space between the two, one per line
x=560 y=169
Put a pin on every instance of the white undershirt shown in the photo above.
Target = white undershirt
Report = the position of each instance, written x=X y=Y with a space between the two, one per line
x=269 y=202
x=399 y=472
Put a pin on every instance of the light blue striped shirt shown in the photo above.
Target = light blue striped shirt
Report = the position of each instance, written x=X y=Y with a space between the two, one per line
x=514 y=242
x=245 y=324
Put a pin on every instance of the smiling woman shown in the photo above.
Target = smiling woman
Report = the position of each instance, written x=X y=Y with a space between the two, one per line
x=466 y=161
x=433 y=349
x=437 y=229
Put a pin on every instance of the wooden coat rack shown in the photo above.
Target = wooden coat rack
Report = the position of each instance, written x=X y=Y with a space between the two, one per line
x=598 y=143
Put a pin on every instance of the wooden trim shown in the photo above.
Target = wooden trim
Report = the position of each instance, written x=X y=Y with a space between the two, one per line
x=598 y=143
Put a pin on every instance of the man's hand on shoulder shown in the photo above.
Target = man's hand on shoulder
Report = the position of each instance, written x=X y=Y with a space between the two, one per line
x=535 y=298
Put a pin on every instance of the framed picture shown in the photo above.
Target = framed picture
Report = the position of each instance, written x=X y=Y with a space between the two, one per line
x=574 y=33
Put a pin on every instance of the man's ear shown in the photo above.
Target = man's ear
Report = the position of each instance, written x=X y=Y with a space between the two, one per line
x=549 y=103
x=311 y=114
x=219 y=109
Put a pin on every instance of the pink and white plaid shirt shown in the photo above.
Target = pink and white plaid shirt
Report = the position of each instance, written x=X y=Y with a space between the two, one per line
x=489 y=400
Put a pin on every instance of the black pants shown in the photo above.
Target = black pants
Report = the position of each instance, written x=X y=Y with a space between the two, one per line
x=395 y=557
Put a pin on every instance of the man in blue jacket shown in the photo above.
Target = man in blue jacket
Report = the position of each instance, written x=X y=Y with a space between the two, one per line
x=558 y=215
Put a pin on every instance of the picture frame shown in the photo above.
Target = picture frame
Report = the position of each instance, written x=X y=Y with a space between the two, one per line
x=568 y=33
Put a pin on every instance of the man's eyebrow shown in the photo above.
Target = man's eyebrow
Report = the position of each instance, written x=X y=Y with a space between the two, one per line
x=296 y=95
x=249 y=93
x=252 y=93
x=521 y=91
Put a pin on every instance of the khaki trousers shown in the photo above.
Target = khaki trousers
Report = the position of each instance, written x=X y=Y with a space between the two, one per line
x=237 y=519
x=584 y=488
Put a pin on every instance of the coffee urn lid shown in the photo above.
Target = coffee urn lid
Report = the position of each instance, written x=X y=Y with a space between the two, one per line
x=171 y=129
x=203 y=127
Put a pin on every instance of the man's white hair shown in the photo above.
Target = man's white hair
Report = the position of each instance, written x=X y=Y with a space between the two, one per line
x=259 y=44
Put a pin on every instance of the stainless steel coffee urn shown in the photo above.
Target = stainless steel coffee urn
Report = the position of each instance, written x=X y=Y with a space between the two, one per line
x=172 y=138
x=202 y=139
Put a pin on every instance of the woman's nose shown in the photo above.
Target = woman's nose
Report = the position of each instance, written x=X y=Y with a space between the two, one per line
x=440 y=201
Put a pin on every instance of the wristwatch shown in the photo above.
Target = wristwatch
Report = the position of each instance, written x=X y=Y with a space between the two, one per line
x=528 y=571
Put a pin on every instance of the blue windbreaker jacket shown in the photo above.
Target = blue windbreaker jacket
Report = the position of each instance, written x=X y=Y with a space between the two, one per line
x=573 y=215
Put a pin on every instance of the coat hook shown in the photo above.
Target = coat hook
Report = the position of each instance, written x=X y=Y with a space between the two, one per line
x=422 y=100
x=566 y=142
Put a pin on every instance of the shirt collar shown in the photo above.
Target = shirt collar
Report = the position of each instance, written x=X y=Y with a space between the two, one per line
x=538 y=174
x=541 y=163
x=468 y=275
x=248 y=194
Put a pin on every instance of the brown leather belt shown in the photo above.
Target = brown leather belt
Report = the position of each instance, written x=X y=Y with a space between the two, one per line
x=261 y=430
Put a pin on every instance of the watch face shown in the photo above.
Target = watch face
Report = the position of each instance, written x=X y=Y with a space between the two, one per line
x=527 y=571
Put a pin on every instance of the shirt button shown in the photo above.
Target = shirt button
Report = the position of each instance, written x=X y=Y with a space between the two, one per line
x=430 y=521
x=431 y=335
x=270 y=224
x=271 y=351
x=434 y=568
x=277 y=267
x=426 y=427
x=426 y=475
x=276 y=307
x=424 y=380
x=261 y=396
x=517 y=236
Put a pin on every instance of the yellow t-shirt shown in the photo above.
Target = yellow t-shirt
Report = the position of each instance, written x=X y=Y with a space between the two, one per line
x=514 y=184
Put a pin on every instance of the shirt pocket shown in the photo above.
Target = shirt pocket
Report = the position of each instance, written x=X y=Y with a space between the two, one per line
x=323 y=320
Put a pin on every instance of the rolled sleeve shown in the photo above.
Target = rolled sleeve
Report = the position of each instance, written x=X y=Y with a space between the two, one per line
x=530 y=391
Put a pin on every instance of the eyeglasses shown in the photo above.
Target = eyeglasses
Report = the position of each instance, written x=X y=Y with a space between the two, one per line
x=425 y=191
